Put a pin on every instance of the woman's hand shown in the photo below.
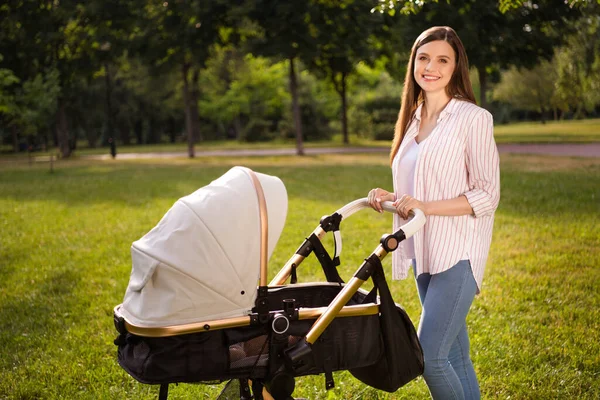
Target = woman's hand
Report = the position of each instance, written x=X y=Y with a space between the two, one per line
x=377 y=196
x=406 y=203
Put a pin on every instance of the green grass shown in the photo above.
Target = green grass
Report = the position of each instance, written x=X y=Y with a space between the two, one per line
x=582 y=131
x=65 y=263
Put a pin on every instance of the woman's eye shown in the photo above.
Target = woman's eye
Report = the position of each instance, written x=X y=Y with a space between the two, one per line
x=422 y=58
x=443 y=60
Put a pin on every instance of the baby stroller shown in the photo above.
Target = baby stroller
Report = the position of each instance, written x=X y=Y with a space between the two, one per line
x=192 y=312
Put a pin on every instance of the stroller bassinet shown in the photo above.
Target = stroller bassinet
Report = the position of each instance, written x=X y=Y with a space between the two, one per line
x=193 y=312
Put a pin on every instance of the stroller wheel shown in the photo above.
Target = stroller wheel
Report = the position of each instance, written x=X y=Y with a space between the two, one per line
x=281 y=386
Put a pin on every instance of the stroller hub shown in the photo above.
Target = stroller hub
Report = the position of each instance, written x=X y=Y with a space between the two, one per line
x=280 y=324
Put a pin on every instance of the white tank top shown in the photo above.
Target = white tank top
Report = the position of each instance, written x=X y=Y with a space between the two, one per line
x=406 y=185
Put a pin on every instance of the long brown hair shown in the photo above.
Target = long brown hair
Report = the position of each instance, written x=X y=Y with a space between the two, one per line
x=459 y=85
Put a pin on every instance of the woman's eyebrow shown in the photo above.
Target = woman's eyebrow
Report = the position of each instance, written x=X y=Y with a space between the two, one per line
x=425 y=54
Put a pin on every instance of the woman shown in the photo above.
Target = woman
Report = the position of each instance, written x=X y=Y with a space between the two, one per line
x=444 y=162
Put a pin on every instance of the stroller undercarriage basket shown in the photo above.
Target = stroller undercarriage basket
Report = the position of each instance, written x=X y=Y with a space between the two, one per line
x=291 y=330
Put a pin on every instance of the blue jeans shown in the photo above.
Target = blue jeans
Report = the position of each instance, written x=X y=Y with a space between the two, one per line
x=446 y=298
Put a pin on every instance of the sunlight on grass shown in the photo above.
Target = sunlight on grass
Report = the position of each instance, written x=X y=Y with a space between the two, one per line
x=65 y=263
x=581 y=131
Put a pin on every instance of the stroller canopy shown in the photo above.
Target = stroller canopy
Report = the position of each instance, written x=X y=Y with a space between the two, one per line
x=202 y=261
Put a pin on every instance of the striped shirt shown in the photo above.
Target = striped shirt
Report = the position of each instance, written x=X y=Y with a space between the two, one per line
x=459 y=157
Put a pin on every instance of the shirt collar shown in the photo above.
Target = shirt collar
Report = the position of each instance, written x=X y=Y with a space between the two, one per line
x=449 y=109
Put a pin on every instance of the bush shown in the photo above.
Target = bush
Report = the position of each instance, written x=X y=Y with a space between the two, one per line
x=383 y=112
x=257 y=130
x=315 y=125
x=360 y=122
x=383 y=131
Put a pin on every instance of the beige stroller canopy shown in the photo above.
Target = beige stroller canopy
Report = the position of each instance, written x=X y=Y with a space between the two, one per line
x=202 y=260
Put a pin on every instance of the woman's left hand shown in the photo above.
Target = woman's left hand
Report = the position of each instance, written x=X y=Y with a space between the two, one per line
x=406 y=203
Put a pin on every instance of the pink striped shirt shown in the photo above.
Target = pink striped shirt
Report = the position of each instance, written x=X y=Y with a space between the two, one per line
x=459 y=157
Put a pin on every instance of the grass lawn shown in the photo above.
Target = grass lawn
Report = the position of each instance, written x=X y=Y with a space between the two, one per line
x=65 y=263
x=582 y=131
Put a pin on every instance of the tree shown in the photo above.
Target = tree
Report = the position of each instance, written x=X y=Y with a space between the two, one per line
x=538 y=94
x=244 y=94
x=413 y=7
x=578 y=65
x=8 y=109
x=111 y=24
x=344 y=35
x=495 y=40
x=285 y=27
x=37 y=37
x=179 y=35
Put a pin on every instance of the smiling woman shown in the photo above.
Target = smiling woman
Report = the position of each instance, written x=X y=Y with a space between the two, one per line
x=445 y=163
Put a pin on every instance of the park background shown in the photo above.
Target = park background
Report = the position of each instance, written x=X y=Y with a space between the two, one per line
x=78 y=80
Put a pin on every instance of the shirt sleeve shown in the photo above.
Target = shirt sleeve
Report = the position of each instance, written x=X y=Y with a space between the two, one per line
x=483 y=166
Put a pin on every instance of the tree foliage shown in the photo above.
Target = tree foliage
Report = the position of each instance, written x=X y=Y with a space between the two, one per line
x=529 y=89
x=578 y=65
x=494 y=40
x=344 y=35
x=569 y=82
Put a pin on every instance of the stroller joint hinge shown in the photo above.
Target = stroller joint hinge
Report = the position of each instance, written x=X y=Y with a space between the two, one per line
x=367 y=269
x=261 y=305
x=305 y=248
x=331 y=222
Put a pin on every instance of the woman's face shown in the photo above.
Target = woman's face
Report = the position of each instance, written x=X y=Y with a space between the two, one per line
x=434 y=65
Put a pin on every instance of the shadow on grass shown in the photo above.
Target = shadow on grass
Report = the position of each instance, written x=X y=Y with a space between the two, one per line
x=138 y=183
x=35 y=315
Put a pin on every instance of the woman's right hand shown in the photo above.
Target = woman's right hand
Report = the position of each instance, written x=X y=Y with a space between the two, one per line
x=377 y=196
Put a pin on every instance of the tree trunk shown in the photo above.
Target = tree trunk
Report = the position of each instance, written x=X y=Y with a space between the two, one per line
x=188 y=111
x=483 y=86
x=237 y=126
x=125 y=133
x=15 y=137
x=138 y=129
x=62 y=130
x=91 y=136
x=45 y=140
x=344 y=109
x=109 y=113
x=543 y=116
x=172 y=128
x=296 y=109
x=153 y=133
x=194 y=95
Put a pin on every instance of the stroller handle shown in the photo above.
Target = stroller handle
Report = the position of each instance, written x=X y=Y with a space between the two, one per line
x=410 y=228
x=415 y=223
